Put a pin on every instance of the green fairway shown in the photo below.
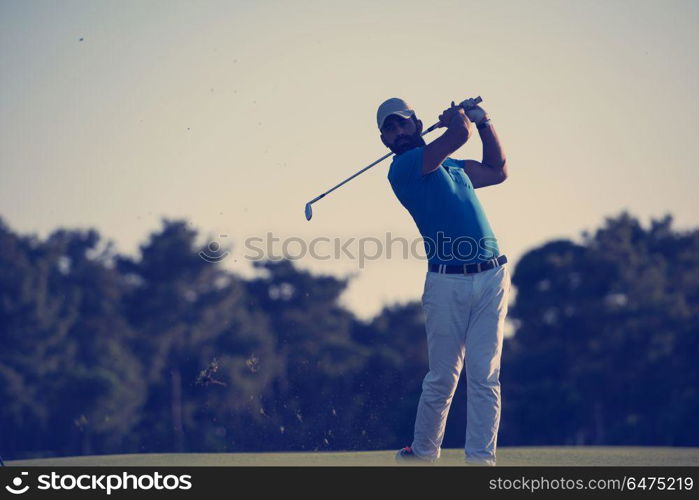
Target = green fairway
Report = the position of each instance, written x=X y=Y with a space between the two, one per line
x=565 y=456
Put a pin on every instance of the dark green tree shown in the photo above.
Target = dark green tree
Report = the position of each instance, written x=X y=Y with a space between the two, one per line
x=189 y=312
x=312 y=403
x=606 y=345
x=67 y=382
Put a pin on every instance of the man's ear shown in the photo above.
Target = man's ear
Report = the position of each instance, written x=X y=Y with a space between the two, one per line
x=419 y=126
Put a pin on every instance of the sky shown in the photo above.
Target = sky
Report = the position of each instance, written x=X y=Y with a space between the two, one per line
x=232 y=115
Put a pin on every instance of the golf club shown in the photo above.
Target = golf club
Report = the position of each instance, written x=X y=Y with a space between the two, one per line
x=466 y=104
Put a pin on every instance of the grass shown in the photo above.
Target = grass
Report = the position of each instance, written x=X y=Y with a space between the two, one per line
x=514 y=456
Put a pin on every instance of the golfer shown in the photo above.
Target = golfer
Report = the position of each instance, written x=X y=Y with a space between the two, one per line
x=467 y=282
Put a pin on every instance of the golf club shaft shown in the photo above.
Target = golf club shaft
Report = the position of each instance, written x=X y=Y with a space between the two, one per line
x=350 y=178
x=433 y=127
x=468 y=102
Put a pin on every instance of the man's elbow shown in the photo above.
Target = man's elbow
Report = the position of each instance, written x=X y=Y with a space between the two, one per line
x=502 y=173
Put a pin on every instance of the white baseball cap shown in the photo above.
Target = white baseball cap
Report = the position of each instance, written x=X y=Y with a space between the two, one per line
x=393 y=106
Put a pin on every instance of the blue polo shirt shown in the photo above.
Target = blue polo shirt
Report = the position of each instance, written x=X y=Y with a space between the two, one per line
x=445 y=208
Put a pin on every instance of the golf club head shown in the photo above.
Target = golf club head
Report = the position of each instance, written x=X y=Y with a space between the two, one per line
x=309 y=211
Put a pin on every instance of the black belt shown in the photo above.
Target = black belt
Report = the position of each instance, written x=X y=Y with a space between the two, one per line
x=468 y=268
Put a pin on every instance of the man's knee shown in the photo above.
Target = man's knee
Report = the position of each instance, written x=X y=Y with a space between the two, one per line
x=486 y=375
x=439 y=386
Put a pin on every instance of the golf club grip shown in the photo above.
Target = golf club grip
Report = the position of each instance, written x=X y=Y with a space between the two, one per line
x=466 y=104
x=469 y=103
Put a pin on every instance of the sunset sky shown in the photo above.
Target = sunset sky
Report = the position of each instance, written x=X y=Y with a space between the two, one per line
x=233 y=115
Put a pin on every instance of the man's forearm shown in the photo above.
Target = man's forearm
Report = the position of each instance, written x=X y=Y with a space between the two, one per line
x=443 y=146
x=493 y=155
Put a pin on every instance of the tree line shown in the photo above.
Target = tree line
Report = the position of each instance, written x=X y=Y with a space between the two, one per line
x=168 y=352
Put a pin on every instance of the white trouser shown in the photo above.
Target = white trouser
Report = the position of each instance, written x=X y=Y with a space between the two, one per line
x=464 y=319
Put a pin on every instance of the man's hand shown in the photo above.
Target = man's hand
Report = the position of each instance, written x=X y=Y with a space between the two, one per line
x=454 y=117
x=459 y=129
x=477 y=115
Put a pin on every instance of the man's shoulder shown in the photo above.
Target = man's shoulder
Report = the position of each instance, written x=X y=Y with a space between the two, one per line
x=411 y=153
x=406 y=168
x=406 y=158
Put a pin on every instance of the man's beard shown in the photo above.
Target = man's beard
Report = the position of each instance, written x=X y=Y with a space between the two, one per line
x=406 y=143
